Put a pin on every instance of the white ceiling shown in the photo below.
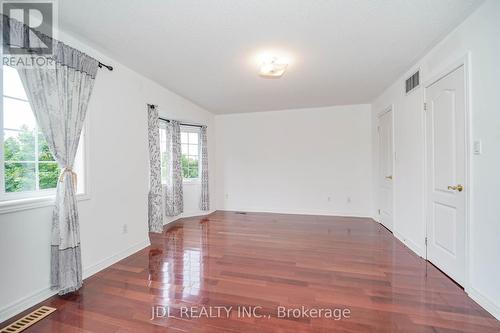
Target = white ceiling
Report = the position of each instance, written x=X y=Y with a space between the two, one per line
x=343 y=51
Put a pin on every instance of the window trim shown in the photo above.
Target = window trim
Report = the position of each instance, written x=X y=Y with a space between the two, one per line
x=41 y=198
x=16 y=205
x=47 y=198
x=192 y=129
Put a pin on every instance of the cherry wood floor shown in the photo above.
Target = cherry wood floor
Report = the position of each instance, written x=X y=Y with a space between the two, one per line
x=270 y=260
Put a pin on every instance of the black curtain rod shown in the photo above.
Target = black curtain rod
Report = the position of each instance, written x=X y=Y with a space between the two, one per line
x=101 y=65
x=183 y=124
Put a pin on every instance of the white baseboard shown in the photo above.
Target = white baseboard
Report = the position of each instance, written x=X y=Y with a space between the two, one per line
x=410 y=244
x=40 y=295
x=44 y=293
x=477 y=296
x=484 y=301
x=189 y=214
x=92 y=269
x=299 y=212
x=473 y=293
x=25 y=303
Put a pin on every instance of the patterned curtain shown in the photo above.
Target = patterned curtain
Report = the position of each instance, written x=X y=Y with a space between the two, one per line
x=172 y=190
x=59 y=97
x=204 y=198
x=155 y=214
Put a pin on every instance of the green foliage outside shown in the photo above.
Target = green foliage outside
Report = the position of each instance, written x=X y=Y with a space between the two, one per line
x=189 y=167
x=20 y=176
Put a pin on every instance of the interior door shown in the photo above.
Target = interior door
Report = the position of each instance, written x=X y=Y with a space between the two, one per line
x=386 y=155
x=445 y=130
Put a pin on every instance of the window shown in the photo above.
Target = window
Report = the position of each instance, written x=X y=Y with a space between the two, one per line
x=27 y=168
x=190 y=147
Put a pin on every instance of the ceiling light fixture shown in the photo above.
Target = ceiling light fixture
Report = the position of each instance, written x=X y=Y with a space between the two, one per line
x=273 y=68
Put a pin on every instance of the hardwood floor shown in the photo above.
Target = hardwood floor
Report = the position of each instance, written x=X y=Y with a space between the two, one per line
x=266 y=261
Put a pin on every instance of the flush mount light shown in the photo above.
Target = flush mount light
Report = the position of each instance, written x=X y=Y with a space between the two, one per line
x=273 y=68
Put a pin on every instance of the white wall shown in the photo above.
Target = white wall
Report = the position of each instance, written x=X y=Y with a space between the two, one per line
x=118 y=167
x=292 y=161
x=479 y=35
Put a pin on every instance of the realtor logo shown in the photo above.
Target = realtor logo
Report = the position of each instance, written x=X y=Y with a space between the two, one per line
x=38 y=19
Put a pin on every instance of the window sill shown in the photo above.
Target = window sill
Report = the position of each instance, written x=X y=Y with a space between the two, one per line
x=16 y=205
x=191 y=182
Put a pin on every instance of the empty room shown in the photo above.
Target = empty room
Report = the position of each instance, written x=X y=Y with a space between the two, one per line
x=240 y=166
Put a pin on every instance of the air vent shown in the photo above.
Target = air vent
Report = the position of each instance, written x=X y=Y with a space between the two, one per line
x=28 y=320
x=241 y=213
x=412 y=82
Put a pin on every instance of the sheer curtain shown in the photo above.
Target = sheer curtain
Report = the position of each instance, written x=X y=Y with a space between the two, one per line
x=59 y=97
x=204 y=198
x=155 y=214
x=172 y=189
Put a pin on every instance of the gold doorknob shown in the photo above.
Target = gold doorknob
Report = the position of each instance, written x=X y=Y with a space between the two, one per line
x=388 y=177
x=458 y=188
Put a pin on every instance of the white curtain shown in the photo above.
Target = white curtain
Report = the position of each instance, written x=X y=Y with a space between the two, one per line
x=155 y=214
x=59 y=97
x=204 y=198
x=173 y=191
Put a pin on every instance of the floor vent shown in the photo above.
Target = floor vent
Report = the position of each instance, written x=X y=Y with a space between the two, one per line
x=241 y=213
x=28 y=320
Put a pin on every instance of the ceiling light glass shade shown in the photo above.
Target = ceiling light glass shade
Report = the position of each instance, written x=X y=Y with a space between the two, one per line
x=272 y=68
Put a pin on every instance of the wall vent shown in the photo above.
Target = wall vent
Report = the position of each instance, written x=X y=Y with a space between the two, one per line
x=413 y=82
x=28 y=320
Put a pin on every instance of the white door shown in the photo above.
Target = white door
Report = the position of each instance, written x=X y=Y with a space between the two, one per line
x=445 y=130
x=385 y=166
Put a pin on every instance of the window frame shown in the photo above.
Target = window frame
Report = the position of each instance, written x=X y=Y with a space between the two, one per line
x=192 y=129
x=16 y=201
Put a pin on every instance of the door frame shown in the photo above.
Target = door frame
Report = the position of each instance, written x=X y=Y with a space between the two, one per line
x=435 y=76
x=388 y=109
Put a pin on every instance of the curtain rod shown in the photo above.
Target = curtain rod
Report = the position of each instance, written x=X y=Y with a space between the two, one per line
x=101 y=65
x=183 y=124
